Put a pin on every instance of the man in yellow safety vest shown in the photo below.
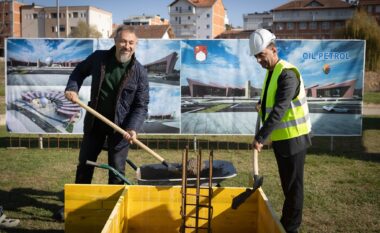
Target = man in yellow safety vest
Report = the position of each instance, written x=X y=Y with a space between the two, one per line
x=284 y=112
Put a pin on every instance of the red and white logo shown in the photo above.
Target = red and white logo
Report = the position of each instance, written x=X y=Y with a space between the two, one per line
x=200 y=52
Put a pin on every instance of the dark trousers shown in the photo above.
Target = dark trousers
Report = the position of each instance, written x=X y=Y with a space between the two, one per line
x=291 y=170
x=91 y=147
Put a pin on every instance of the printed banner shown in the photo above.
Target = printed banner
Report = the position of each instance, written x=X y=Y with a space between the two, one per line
x=196 y=86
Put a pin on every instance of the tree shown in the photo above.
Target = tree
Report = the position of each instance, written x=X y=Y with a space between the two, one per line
x=83 y=30
x=365 y=27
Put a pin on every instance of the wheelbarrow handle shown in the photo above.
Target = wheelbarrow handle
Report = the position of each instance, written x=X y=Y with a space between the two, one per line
x=120 y=130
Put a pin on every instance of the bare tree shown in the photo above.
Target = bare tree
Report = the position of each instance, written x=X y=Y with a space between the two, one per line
x=83 y=30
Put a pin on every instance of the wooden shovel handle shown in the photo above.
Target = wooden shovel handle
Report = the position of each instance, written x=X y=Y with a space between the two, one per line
x=118 y=129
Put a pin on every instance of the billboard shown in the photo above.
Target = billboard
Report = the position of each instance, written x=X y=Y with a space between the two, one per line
x=196 y=86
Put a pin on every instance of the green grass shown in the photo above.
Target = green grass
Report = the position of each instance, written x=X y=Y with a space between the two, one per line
x=372 y=97
x=340 y=192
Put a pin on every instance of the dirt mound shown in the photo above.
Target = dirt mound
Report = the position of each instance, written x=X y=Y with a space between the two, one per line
x=372 y=81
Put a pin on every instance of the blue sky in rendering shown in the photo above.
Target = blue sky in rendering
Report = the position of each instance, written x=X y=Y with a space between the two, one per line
x=164 y=100
x=228 y=63
x=345 y=58
x=42 y=49
x=148 y=50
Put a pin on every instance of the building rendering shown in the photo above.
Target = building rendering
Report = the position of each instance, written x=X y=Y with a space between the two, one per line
x=311 y=19
x=38 y=21
x=200 y=19
x=201 y=89
x=10 y=23
x=342 y=90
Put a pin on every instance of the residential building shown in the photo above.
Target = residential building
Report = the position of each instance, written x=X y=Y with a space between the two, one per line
x=201 y=19
x=253 y=21
x=311 y=19
x=153 y=31
x=10 y=25
x=39 y=21
x=145 y=20
x=372 y=7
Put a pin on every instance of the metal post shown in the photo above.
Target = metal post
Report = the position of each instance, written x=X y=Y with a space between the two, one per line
x=40 y=141
x=195 y=143
x=58 y=19
x=331 y=143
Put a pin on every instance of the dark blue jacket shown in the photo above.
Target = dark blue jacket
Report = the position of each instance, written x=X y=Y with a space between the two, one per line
x=133 y=94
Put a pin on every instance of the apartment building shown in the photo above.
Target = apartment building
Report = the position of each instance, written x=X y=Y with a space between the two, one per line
x=253 y=21
x=145 y=20
x=10 y=25
x=372 y=7
x=201 y=19
x=39 y=21
x=311 y=19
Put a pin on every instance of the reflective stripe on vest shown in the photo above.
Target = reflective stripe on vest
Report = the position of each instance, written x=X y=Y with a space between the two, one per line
x=296 y=119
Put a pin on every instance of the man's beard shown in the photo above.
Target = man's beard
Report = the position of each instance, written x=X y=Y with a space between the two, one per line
x=124 y=58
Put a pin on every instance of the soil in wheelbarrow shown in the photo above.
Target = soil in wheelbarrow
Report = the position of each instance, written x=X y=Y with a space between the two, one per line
x=159 y=173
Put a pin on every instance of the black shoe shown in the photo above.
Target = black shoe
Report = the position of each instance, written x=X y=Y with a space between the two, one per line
x=59 y=215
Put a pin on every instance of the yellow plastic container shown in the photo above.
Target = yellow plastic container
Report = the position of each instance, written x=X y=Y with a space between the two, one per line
x=156 y=209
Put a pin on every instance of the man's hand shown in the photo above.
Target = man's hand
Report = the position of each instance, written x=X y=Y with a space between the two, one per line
x=72 y=96
x=258 y=106
x=130 y=136
x=257 y=145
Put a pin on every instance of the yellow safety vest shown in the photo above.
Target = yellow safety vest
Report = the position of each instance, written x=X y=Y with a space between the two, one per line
x=296 y=120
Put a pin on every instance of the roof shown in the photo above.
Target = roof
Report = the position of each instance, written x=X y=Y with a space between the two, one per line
x=153 y=31
x=235 y=34
x=369 y=2
x=312 y=4
x=198 y=3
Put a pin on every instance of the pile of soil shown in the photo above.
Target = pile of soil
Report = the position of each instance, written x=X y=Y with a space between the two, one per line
x=371 y=81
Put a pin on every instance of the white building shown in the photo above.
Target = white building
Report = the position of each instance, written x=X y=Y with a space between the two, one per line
x=202 y=19
x=145 y=20
x=253 y=21
x=39 y=21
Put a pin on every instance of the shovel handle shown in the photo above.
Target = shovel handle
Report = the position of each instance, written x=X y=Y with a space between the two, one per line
x=255 y=162
x=118 y=129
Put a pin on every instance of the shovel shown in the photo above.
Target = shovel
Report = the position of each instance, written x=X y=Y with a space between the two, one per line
x=257 y=179
x=123 y=132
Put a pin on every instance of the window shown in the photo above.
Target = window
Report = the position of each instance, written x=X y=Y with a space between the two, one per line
x=377 y=9
x=290 y=26
x=190 y=8
x=188 y=17
x=176 y=8
x=279 y=26
x=208 y=37
x=208 y=26
x=75 y=14
x=303 y=25
x=208 y=15
x=35 y=15
x=325 y=25
x=338 y=25
x=53 y=15
x=176 y=19
x=61 y=28
x=313 y=25
x=70 y=15
x=53 y=29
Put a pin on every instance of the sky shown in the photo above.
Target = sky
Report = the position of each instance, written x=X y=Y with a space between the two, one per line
x=122 y=9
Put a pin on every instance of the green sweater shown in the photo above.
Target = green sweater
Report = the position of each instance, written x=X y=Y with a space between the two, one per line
x=107 y=97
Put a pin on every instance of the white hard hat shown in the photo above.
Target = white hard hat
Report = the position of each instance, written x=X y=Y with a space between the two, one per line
x=259 y=40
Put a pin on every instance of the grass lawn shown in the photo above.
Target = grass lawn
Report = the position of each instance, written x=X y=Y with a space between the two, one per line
x=342 y=189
